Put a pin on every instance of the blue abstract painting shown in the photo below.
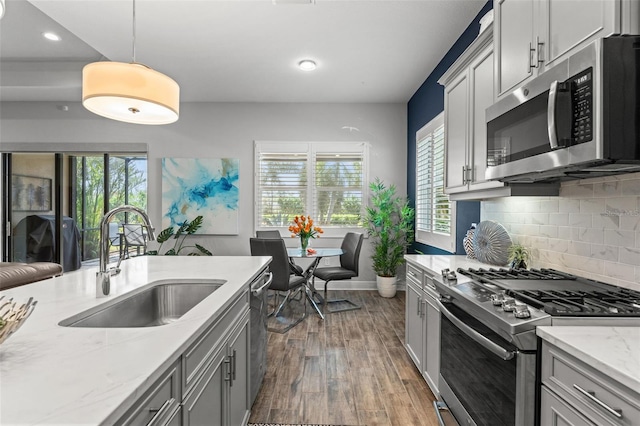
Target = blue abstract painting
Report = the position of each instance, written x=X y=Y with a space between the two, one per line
x=201 y=186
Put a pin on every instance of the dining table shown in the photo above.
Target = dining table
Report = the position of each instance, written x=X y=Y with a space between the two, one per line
x=315 y=255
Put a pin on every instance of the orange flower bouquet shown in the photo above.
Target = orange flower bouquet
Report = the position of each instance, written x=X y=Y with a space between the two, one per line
x=303 y=227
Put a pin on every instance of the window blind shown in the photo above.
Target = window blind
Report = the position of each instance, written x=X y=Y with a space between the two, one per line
x=324 y=180
x=433 y=208
x=338 y=191
x=282 y=181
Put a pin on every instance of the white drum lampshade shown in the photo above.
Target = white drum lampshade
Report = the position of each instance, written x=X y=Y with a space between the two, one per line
x=133 y=93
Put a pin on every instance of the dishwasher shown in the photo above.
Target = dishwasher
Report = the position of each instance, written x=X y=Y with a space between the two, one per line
x=258 y=327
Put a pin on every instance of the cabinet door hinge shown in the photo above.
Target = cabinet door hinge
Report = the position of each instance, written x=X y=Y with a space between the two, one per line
x=465 y=174
x=539 y=52
x=228 y=377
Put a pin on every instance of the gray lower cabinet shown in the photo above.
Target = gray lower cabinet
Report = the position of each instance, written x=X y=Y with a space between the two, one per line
x=176 y=418
x=422 y=324
x=157 y=405
x=205 y=403
x=414 y=322
x=432 y=342
x=208 y=384
x=557 y=412
x=574 y=393
x=240 y=383
x=220 y=397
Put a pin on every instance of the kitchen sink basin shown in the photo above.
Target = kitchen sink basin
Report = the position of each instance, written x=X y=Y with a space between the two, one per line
x=157 y=305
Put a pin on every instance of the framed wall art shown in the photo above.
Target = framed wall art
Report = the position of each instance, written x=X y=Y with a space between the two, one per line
x=201 y=186
x=30 y=193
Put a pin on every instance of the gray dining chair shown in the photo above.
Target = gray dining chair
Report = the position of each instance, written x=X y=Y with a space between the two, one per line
x=283 y=279
x=271 y=233
x=115 y=237
x=274 y=233
x=134 y=236
x=351 y=246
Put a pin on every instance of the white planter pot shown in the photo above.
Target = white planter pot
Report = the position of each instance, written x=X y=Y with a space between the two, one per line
x=386 y=286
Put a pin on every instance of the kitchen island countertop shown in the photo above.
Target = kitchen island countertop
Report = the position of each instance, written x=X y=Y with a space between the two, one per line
x=53 y=375
x=614 y=351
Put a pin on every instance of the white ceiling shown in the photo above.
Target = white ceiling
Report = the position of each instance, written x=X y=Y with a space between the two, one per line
x=234 y=50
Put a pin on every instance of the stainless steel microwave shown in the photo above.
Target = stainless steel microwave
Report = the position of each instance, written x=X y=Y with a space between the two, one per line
x=578 y=119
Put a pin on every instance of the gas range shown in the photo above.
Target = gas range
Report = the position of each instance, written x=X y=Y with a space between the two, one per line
x=559 y=293
x=513 y=302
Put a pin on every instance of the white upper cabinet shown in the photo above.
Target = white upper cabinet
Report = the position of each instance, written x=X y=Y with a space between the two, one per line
x=514 y=43
x=481 y=91
x=456 y=131
x=468 y=93
x=533 y=35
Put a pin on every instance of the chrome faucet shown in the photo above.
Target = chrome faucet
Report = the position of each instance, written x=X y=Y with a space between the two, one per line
x=103 y=276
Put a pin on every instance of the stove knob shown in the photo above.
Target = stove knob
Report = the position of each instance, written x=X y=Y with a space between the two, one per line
x=509 y=304
x=522 y=311
x=497 y=299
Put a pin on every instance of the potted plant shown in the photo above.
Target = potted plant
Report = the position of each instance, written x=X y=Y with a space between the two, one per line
x=389 y=223
x=186 y=228
x=518 y=256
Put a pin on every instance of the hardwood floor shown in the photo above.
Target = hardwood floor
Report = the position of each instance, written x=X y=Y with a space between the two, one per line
x=350 y=369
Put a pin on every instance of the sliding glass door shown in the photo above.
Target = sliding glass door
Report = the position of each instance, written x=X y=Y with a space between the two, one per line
x=94 y=196
x=31 y=182
x=53 y=202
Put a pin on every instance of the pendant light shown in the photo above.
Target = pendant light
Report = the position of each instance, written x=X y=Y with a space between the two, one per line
x=2 y=6
x=133 y=93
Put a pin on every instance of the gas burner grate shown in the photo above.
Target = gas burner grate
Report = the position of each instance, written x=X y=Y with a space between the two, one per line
x=558 y=293
x=620 y=302
x=485 y=275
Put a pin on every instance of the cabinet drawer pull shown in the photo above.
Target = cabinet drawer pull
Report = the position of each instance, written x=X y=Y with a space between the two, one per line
x=424 y=308
x=592 y=397
x=419 y=305
x=160 y=412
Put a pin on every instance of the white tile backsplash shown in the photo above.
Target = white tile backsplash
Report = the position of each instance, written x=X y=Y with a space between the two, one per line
x=592 y=229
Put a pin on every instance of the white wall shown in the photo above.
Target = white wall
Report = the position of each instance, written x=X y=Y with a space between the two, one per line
x=592 y=229
x=218 y=130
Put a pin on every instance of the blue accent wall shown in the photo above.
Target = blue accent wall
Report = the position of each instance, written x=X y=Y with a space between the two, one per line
x=424 y=105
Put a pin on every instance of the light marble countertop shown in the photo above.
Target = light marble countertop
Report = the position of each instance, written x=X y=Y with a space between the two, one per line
x=54 y=375
x=614 y=351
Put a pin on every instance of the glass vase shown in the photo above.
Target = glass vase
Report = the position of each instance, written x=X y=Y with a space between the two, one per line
x=304 y=243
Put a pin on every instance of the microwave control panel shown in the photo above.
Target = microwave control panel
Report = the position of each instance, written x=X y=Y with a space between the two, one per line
x=582 y=106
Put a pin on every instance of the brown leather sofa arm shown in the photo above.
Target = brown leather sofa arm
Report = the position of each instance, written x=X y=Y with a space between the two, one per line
x=14 y=274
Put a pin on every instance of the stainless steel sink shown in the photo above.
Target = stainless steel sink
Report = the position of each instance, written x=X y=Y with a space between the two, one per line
x=157 y=305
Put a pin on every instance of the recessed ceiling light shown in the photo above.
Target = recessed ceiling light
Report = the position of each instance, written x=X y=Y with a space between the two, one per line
x=307 y=65
x=51 y=36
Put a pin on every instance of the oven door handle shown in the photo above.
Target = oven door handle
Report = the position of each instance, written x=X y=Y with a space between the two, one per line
x=479 y=338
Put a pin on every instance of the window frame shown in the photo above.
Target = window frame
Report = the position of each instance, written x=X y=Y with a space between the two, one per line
x=429 y=236
x=310 y=150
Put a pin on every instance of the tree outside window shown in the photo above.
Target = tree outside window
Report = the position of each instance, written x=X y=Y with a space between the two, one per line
x=127 y=185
